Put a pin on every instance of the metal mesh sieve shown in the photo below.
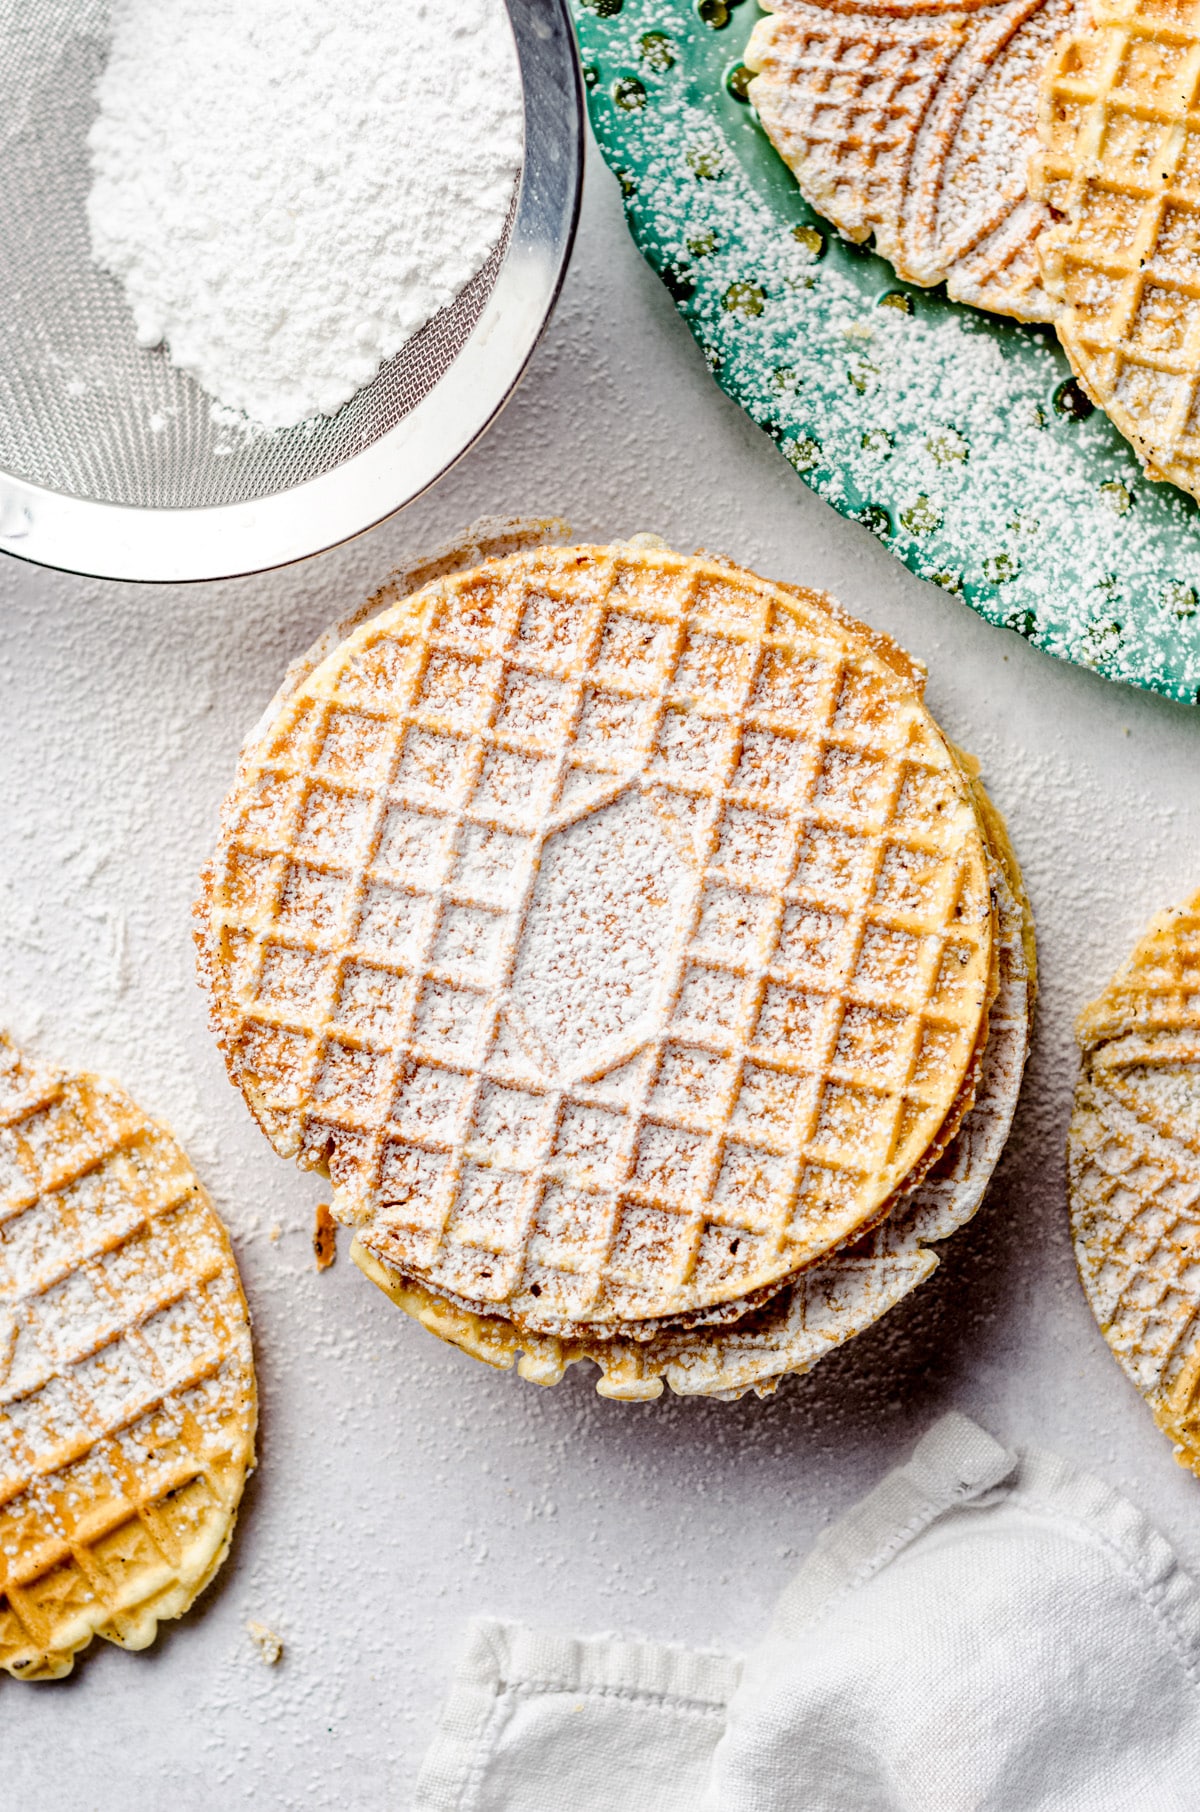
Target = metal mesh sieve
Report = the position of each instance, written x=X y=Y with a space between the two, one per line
x=87 y=414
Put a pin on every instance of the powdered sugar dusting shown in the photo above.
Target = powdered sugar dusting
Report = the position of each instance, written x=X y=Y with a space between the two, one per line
x=595 y=954
x=127 y=1397
x=947 y=433
x=917 y=126
x=830 y=1302
x=432 y=1004
x=287 y=190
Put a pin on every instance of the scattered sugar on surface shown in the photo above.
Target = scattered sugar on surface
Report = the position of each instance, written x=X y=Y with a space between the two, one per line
x=388 y=1461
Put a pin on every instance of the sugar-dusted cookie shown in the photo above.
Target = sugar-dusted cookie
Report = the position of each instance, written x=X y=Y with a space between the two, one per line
x=127 y=1393
x=614 y=927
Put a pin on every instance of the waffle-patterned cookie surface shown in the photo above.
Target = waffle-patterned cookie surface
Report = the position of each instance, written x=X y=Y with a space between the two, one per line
x=127 y=1393
x=612 y=924
x=1120 y=164
x=915 y=122
x=831 y=1301
x=1134 y=1156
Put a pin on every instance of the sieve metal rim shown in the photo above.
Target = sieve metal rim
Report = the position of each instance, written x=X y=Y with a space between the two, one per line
x=223 y=541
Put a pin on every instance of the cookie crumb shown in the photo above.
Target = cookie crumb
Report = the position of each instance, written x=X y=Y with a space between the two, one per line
x=274 y=1232
x=268 y=1644
x=324 y=1237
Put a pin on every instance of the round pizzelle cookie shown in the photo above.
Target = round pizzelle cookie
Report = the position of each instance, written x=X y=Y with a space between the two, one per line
x=1120 y=168
x=127 y=1392
x=1134 y=1168
x=914 y=121
x=612 y=925
x=831 y=1301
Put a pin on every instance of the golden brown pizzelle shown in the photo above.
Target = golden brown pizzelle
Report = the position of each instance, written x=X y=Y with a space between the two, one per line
x=127 y=1392
x=1119 y=167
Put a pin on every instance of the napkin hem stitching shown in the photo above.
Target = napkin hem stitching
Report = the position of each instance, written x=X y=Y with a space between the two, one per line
x=1180 y=1643
x=703 y=1707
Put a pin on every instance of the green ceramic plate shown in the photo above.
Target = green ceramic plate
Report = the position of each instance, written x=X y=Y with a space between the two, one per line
x=955 y=436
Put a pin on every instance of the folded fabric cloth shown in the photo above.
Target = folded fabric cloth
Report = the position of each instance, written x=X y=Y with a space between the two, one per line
x=988 y=1631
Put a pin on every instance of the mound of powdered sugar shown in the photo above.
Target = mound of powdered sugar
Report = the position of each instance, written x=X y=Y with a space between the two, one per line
x=289 y=190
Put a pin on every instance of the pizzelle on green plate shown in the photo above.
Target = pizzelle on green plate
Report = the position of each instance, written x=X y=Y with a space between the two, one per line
x=957 y=437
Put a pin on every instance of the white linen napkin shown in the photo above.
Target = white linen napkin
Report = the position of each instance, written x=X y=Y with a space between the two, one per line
x=987 y=1632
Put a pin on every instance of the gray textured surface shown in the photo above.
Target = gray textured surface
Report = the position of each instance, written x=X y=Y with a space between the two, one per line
x=402 y=1487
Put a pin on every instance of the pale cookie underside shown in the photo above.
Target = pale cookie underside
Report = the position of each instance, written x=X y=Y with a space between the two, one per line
x=127 y=1392
x=1120 y=164
x=829 y=1303
x=1135 y=1219
x=1134 y=1167
x=915 y=124
x=613 y=925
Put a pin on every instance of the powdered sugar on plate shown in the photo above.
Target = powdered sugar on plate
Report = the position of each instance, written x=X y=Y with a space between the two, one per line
x=955 y=437
x=290 y=191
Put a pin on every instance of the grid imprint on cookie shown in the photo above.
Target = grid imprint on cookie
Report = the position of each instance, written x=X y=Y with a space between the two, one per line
x=1120 y=127
x=126 y=1388
x=1135 y=1213
x=807 y=922
x=1135 y=1166
x=829 y=1302
x=875 y=109
x=852 y=89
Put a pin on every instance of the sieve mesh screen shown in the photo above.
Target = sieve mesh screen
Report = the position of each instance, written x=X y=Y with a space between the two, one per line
x=85 y=410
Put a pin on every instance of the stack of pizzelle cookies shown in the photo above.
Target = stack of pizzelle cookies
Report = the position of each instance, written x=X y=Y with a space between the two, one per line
x=1039 y=157
x=620 y=934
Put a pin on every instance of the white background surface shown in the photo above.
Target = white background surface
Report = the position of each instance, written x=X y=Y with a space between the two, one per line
x=402 y=1486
